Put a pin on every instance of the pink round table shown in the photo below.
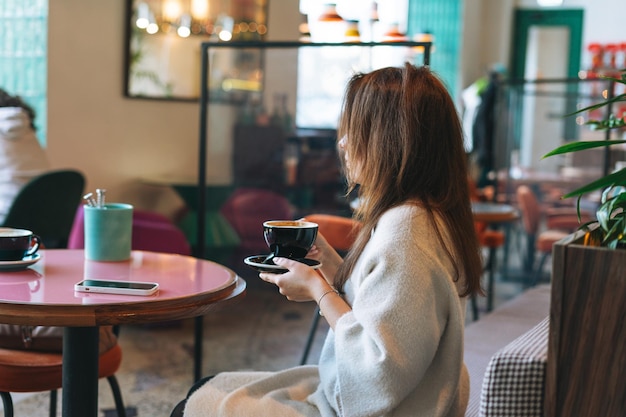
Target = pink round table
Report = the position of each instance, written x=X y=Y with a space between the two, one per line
x=43 y=294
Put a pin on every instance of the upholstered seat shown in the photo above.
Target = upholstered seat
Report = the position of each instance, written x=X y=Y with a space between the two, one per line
x=339 y=231
x=31 y=371
x=151 y=231
x=543 y=229
x=492 y=240
x=515 y=378
x=484 y=338
x=245 y=210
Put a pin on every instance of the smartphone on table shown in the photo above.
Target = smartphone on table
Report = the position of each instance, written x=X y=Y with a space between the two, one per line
x=116 y=287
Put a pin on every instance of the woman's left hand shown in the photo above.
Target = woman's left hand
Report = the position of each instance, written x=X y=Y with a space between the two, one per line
x=300 y=283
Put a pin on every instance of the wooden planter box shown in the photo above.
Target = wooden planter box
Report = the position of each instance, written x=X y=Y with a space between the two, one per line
x=586 y=374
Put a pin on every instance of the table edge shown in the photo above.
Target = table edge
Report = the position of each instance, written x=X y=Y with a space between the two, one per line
x=123 y=313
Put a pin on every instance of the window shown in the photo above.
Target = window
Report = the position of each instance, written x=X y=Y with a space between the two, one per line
x=418 y=19
x=23 y=54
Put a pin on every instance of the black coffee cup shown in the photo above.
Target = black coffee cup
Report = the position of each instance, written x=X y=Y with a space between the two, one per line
x=289 y=238
x=15 y=244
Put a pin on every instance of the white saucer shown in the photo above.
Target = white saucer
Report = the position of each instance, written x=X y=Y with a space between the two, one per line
x=23 y=263
x=256 y=262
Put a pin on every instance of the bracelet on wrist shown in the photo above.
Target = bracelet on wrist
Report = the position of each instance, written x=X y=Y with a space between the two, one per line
x=319 y=300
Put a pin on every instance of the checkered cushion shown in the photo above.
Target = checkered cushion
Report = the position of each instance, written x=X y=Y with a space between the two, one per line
x=514 y=381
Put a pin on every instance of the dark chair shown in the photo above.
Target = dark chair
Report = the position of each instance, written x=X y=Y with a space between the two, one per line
x=47 y=205
x=340 y=233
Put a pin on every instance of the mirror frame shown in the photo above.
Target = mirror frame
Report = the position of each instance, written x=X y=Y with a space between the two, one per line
x=130 y=55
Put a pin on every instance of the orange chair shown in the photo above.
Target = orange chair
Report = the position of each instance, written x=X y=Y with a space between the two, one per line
x=490 y=239
x=559 y=223
x=340 y=232
x=32 y=371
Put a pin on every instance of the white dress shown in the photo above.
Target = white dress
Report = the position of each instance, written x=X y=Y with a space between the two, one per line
x=21 y=156
x=399 y=352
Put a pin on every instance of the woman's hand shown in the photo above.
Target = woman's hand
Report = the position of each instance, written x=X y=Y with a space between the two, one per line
x=329 y=258
x=301 y=283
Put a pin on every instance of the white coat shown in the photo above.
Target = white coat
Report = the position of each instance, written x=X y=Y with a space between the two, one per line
x=398 y=353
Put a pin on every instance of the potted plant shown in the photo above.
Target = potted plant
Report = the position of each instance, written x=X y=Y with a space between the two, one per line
x=586 y=353
x=611 y=214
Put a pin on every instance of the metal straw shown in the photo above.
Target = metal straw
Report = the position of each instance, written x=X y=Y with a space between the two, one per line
x=90 y=200
x=100 y=193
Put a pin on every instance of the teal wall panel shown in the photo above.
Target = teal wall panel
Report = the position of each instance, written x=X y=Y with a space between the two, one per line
x=23 y=54
x=443 y=19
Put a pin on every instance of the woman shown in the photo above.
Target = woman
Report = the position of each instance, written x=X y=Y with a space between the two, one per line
x=21 y=156
x=396 y=305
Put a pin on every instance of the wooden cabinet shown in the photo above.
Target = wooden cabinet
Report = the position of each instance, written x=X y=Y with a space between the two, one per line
x=258 y=156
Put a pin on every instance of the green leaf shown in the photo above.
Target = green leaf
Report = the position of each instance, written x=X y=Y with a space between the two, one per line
x=582 y=145
x=610 y=215
x=612 y=236
x=618 y=178
x=585 y=226
x=603 y=217
x=616 y=193
x=611 y=123
x=618 y=98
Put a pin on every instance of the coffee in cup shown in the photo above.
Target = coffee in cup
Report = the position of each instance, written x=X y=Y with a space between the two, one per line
x=289 y=238
x=15 y=244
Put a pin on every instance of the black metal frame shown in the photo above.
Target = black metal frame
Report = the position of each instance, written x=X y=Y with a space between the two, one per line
x=202 y=143
x=205 y=99
x=502 y=108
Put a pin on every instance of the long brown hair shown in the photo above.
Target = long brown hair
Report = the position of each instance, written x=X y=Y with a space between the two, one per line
x=405 y=137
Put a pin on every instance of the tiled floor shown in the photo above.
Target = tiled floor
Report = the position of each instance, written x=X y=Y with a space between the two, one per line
x=262 y=331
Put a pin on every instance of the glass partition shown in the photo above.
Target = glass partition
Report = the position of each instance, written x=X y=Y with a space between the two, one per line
x=531 y=119
x=269 y=113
